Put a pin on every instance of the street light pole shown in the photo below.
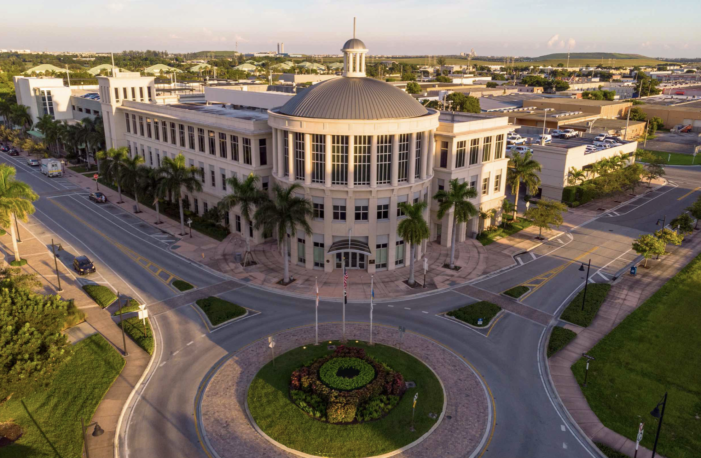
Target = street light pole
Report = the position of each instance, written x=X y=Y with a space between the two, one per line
x=121 y=325
x=372 y=296
x=58 y=277
x=656 y=413
x=581 y=269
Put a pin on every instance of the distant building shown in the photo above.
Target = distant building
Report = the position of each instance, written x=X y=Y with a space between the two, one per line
x=108 y=67
x=50 y=96
x=41 y=69
x=160 y=68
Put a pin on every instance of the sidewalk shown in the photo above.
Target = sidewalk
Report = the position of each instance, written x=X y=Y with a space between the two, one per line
x=626 y=295
x=36 y=248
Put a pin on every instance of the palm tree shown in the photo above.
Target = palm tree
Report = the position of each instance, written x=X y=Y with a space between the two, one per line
x=246 y=195
x=456 y=198
x=575 y=176
x=16 y=199
x=177 y=175
x=413 y=229
x=284 y=214
x=506 y=208
x=152 y=180
x=484 y=215
x=132 y=175
x=441 y=61
x=47 y=126
x=6 y=112
x=90 y=136
x=113 y=162
x=21 y=116
x=522 y=169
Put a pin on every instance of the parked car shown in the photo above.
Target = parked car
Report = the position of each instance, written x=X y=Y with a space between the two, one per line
x=607 y=143
x=547 y=138
x=13 y=152
x=83 y=265
x=521 y=149
x=33 y=162
x=557 y=133
x=98 y=197
x=515 y=140
x=4 y=148
x=569 y=133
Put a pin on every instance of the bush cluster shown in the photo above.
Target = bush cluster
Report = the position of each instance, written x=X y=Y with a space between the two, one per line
x=607 y=183
x=336 y=399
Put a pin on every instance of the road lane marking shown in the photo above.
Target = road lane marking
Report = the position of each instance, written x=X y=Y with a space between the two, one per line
x=424 y=311
x=407 y=308
x=520 y=261
x=532 y=255
x=539 y=281
x=495 y=323
x=689 y=193
x=190 y=343
x=390 y=305
x=560 y=241
x=603 y=276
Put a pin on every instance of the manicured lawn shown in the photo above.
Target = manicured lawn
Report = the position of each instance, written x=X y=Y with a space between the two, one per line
x=143 y=337
x=559 y=338
x=182 y=285
x=275 y=414
x=473 y=312
x=79 y=169
x=596 y=295
x=516 y=291
x=102 y=295
x=219 y=310
x=488 y=237
x=609 y=452
x=132 y=306
x=676 y=159
x=51 y=419
x=653 y=351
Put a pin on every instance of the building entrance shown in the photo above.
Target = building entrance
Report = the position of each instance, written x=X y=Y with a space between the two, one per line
x=352 y=260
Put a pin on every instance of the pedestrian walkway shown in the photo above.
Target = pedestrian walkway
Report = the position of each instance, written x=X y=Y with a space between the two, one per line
x=35 y=247
x=508 y=304
x=627 y=294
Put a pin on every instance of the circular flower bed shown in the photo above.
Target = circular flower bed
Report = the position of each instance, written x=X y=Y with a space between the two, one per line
x=346 y=387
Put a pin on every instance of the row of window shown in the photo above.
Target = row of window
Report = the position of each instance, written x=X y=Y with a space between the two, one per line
x=125 y=93
x=86 y=111
x=362 y=151
x=485 y=183
x=463 y=151
x=380 y=255
x=210 y=141
x=362 y=210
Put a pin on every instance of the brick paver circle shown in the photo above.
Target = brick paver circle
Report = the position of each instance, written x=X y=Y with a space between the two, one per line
x=228 y=430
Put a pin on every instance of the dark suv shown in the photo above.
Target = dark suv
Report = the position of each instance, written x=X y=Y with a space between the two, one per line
x=83 y=265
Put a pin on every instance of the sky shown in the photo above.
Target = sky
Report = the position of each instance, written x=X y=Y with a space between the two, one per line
x=504 y=27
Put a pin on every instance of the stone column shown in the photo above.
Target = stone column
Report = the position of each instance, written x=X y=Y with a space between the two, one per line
x=351 y=161
x=395 y=159
x=373 y=161
x=412 y=158
x=280 y=153
x=255 y=152
x=363 y=69
x=431 y=153
x=329 y=164
x=424 y=154
x=274 y=151
x=308 y=159
x=291 y=155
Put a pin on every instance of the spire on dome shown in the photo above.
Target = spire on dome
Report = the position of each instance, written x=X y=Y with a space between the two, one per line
x=354 y=51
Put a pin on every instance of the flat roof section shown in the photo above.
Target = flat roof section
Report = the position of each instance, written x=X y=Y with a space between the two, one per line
x=249 y=115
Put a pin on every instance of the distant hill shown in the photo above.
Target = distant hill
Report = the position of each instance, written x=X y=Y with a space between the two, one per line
x=592 y=55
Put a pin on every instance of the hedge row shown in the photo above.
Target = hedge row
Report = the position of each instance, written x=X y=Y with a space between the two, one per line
x=102 y=295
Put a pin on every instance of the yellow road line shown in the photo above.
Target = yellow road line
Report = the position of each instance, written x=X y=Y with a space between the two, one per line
x=689 y=193
x=495 y=323
x=202 y=317
x=143 y=262
x=539 y=281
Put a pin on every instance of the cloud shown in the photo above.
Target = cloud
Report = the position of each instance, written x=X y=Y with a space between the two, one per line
x=241 y=39
x=645 y=44
x=553 y=40
x=116 y=6
x=561 y=45
x=173 y=36
x=571 y=43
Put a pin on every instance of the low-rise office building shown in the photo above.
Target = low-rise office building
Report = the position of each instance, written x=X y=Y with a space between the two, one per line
x=600 y=108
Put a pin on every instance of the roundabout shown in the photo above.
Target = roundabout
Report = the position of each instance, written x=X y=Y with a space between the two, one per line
x=344 y=401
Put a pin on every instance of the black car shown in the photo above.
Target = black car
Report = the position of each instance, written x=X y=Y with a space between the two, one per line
x=4 y=148
x=13 y=152
x=98 y=197
x=83 y=265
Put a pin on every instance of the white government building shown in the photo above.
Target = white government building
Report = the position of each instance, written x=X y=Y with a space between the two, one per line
x=357 y=146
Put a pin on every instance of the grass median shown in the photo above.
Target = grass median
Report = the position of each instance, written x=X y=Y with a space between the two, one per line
x=132 y=306
x=102 y=295
x=139 y=332
x=516 y=291
x=50 y=418
x=675 y=158
x=472 y=313
x=182 y=285
x=510 y=228
x=219 y=311
x=559 y=338
x=596 y=295
x=653 y=351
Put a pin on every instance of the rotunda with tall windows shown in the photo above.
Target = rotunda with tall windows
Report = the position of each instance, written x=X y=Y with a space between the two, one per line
x=358 y=147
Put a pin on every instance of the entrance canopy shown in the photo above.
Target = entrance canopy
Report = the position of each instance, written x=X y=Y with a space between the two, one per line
x=354 y=246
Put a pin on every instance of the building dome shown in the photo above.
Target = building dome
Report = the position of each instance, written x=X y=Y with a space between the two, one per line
x=354 y=43
x=353 y=98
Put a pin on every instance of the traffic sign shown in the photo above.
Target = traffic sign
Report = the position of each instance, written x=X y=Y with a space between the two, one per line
x=95 y=177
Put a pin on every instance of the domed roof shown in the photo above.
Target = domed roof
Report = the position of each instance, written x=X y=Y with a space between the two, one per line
x=353 y=98
x=354 y=43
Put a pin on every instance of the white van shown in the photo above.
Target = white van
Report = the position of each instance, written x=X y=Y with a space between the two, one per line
x=51 y=168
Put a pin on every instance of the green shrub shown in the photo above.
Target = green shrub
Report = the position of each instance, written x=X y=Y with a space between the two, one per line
x=132 y=306
x=575 y=204
x=182 y=285
x=20 y=263
x=376 y=407
x=102 y=295
x=588 y=192
x=558 y=339
x=596 y=295
x=328 y=372
x=342 y=410
x=218 y=310
x=142 y=335
x=569 y=194
x=74 y=316
x=516 y=291
x=471 y=313
x=312 y=404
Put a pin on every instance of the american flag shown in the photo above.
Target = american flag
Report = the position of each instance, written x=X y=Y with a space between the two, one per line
x=345 y=279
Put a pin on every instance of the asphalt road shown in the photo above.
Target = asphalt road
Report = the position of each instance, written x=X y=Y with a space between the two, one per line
x=135 y=259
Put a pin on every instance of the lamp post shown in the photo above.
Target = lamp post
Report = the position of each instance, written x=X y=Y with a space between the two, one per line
x=581 y=269
x=586 y=371
x=58 y=277
x=660 y=415
x=189 y=224
x=425 y=268
x=121 y=325
x=664 y=224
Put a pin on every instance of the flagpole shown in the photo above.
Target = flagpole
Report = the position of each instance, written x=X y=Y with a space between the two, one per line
x=316 y=312
x=345 y=297
x=372 y=295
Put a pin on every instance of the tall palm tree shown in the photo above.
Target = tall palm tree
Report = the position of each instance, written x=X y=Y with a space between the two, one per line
x=90 y=136
x=47 y=126
x=413 y=229
x=246 y=195
x=456 y=198
x=21 y=116
x=522 y=168
x=152 y=181
x=441 y=61
x=176 y=176
x=6 y=113
x=72 y=139
x=132 y=175
x=284 y=213
x=16 y=199
x=575 y=176
x=484 y=215
x=113 y=162
x=506 y=208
